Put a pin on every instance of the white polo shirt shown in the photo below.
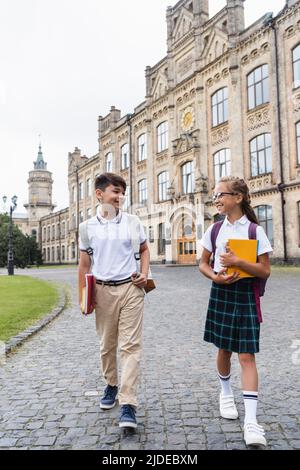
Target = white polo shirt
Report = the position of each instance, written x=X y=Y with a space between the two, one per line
x=113 y=252
x=238 y=231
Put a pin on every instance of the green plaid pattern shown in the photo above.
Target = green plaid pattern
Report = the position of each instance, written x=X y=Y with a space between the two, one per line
x=231 y=322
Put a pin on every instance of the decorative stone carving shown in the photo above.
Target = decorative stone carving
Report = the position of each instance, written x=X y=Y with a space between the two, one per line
x=261 y=182
x=201 y=184
x=258 y=119
x=220 y=135
x=187 y=141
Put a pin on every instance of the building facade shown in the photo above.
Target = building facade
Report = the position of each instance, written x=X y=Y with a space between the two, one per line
x=224 y=100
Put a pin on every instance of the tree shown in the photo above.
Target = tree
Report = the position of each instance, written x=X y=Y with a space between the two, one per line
x=25 y=247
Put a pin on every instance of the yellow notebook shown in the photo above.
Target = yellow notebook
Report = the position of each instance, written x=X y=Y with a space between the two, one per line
x=246 y=250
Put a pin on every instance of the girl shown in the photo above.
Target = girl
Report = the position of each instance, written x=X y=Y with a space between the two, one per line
x=232 y=322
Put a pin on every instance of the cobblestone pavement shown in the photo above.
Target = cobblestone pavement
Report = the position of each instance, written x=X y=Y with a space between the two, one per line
x=44 y=386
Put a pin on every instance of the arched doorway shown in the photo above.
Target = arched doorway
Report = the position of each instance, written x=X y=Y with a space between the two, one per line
x=186 y=240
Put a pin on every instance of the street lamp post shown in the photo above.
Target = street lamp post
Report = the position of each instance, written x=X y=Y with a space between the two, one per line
x=10 y=254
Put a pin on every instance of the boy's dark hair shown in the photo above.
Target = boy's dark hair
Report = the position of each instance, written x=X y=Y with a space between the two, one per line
x=106 y=179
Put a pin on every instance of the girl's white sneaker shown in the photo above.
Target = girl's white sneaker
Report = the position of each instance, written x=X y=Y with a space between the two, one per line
x=254 y=434
x=227 y=407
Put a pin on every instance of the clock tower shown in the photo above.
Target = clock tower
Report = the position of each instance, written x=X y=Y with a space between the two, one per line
x=39 y=193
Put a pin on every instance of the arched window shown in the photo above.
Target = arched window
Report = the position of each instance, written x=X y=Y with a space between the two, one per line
x=222 y=164
x=188 y=178
x=265 y=218
x=124 y=157
x=258 y=86
x=142 y=190
x=261 y=155
x=296 y=65
x=163 y=183
x=298 y=141
x=109 y=163
x=162 y=136
x=142 y=147
x=219 y=104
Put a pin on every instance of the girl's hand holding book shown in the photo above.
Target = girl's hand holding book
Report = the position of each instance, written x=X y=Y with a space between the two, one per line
x=222 y=278
x=229 y=258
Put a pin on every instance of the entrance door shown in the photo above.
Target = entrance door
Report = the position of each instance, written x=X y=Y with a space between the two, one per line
x=187 y=252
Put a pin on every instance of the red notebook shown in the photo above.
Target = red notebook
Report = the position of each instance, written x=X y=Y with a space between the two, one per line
x=88 y=295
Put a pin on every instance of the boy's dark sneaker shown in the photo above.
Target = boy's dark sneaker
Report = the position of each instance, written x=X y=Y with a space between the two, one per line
x=127 y=417
x=108 y=400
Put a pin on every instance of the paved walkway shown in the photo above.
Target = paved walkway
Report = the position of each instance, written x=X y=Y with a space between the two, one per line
x=49 y=388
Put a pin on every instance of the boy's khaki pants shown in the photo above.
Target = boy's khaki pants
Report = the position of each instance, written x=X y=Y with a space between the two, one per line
x=119 y=320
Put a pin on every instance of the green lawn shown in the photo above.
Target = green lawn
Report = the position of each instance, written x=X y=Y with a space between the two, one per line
x=23 y=301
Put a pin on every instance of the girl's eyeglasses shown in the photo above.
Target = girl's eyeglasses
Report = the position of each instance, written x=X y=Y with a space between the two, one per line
x=216 y=196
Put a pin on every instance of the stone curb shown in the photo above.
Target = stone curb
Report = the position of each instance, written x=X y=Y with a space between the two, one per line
x=19 y=339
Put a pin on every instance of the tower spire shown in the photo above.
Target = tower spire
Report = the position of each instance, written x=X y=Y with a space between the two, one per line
x=40 y=164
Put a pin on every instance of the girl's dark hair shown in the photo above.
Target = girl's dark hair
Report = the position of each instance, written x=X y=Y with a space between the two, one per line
x=238 y=185
x=106 y=179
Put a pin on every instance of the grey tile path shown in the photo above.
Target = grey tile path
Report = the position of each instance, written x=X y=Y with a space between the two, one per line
x=44 y=385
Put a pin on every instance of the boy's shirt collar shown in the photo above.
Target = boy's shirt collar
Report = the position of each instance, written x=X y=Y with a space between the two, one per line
x=103 y=220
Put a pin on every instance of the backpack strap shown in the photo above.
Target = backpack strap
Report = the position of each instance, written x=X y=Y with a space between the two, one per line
x=213 y=236
x=252 y=231
x=134 y=230
x=84 y=237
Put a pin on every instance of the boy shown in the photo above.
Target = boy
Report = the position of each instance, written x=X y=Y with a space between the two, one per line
x=119 y=293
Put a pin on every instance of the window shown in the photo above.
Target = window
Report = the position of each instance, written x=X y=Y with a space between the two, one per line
x=162 y=136
x=219 y=102
x=222 y=164
x=296 y=66
x=298 y=141
x=48 y=234
x=44 y=254
x=33 y=233
x=124 y=157
x=161 y=239
x=57 y=253
x=63 y=230
x=142 y=147
x=258 y=86
x=89 y=213
x=265 y=218
x=88 y=187
x=48 y=254
x=73 y=252
x=151 y=234
x=261 y=155
x=188 y=178
x=163 y=184
x=109 y=163
x=57 y=231
x=142 y=188
x=80 y=191
x=73 y=221
x=298 y=204
x=44 y=234
x=63 y=253
x=53 y=232
x=53 y=254
x=126 y=204
x=81 y=219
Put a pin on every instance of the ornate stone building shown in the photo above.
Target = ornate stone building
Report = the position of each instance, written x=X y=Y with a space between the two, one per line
x=224 y=100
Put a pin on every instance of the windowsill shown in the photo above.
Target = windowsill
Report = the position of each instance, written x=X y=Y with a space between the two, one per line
x=218 y=126
x=263 y=175
x=258 y=107
x=159 y=154
x=297 y=88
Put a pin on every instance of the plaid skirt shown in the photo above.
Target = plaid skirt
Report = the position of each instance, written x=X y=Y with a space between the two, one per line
x=232 y=323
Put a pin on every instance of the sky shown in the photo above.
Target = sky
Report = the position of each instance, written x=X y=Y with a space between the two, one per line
x=65 y=62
